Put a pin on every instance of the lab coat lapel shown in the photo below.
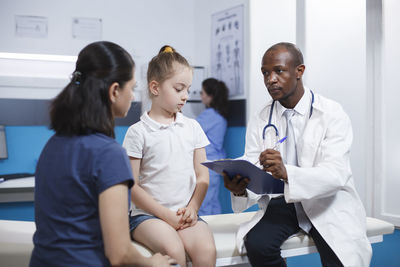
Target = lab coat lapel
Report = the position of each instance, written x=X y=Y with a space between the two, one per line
x=308 y=144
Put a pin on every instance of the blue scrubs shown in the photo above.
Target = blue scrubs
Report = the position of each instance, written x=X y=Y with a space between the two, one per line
x=214 y=125
x=70 y=175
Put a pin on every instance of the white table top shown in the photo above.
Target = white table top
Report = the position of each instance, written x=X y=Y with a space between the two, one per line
x=27 y=182
x=17 y=190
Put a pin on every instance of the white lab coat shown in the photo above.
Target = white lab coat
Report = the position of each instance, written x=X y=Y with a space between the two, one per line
x=323 y=181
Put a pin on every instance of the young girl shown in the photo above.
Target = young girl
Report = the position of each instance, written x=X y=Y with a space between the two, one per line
x=214 y=95
x=83 y=175
x=165 y=150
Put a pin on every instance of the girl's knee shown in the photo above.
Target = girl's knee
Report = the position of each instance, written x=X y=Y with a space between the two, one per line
x=174 y=249
x=204 y=255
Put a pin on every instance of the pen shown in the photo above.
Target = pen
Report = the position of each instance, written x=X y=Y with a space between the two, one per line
x=280 y=141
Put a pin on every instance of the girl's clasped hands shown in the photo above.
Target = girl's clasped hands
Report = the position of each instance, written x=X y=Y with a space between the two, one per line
x=188 y=217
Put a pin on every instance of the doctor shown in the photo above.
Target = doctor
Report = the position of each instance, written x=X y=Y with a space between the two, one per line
x=312 y=168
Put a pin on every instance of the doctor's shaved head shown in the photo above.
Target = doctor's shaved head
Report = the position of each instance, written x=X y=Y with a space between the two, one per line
x=295 y=52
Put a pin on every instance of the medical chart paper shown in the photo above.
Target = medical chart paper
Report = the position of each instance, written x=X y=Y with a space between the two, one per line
x=261 y=182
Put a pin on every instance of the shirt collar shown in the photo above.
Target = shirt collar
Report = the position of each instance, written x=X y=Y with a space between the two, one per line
x=154 y=125
x=301 y=108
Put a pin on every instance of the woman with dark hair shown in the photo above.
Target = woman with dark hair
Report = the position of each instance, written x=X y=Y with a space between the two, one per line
x=214 y=95
x=83 y=176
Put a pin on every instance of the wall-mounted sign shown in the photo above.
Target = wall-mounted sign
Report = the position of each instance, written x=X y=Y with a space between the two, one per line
x=87 y=28
x=31 y=26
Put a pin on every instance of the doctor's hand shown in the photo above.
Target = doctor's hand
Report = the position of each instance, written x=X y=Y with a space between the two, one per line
x=237 y=184
x=271 y=161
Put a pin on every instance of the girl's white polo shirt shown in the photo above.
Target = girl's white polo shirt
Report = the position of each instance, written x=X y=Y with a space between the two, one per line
x=166 y=153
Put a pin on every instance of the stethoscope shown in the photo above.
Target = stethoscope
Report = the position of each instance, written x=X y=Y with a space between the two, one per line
x=270 y=117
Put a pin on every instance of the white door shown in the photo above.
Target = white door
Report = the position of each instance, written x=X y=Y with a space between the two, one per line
x=387 y=119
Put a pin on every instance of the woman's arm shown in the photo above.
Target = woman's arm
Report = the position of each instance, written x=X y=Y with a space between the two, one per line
x=113 y=212
x=202 y=182
x=146 y=202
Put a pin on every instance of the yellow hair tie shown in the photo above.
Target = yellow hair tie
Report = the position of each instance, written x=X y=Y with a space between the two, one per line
x=168 y=49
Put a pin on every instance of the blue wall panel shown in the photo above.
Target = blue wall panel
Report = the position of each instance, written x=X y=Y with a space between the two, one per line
x=24 y=144
x=20 y=211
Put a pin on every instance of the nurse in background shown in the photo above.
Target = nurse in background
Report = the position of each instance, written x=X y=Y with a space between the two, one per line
x=214 y=96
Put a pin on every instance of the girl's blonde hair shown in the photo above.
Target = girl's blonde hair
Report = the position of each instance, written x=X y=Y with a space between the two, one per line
x=161 y=66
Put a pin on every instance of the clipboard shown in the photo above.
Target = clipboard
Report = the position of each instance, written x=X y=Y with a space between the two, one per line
x=261 y=182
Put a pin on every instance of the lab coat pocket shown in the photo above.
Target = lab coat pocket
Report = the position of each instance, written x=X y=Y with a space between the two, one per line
x=309 y=149
x=308 y=152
